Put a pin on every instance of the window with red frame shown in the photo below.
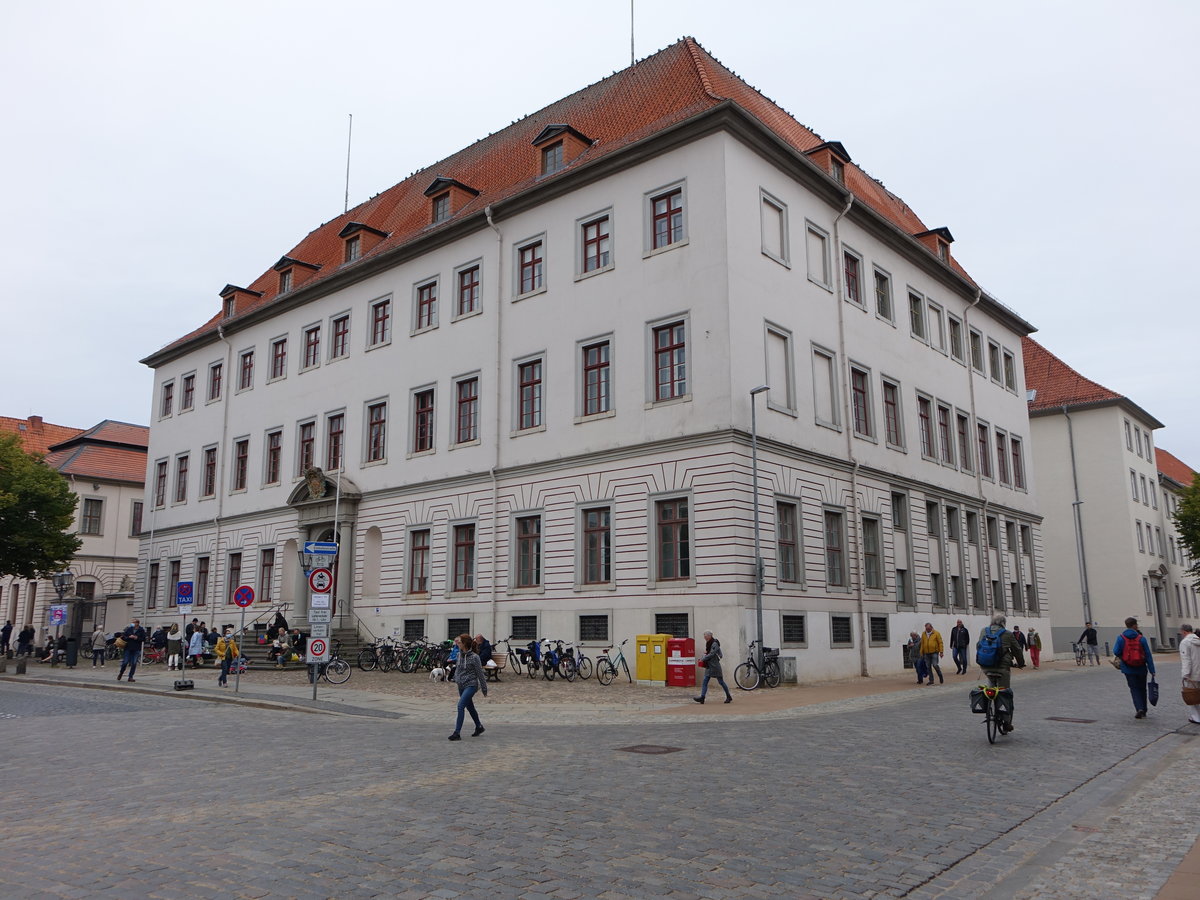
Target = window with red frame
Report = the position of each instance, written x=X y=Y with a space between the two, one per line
x=467 y=411
x=674 y=543
x=312 y=346
x=1018 y=464
x=209 y=487
x=376 y=432
x=667 y=215
x=335 y=427
x=891 y=413
x=427 y=305
x=597 y=545
x=241 y=458
x=381 y=316
x=214 y=380
x=853 y=290
x=945 y=440
x=266 y=575
x=306 y=457
x=168 y=398
x=235 y=576
x=468 y=291
x=529 y=377
x=529 y=551
x=529 y=267
x=422 y=421
x=339 y=345
x=274 y=457
x=925 y=420
x=596 y=250
x=596 y=375
x=670 y=361
x=859 y=400
x=246 y=371
x=418 y=561
x=152 y=586
x=188 y=397
x=160 y=483
x=279 y=358
x=464 y=558
x=985 y=452
x=181 y=478
x=1002 y=458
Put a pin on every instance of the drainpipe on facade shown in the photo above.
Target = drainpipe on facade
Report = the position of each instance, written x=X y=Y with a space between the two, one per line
x=1077 y=515
x=487 y=211
x=983 y=544
x=852 y=528
x=228 y=373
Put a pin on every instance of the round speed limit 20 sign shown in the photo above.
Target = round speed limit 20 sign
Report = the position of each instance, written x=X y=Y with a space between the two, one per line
x=320 y=580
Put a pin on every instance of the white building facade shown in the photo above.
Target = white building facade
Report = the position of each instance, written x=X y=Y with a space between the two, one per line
x=521 y=402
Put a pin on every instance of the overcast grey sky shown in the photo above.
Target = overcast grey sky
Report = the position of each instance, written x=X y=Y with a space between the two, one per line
x=156 y=151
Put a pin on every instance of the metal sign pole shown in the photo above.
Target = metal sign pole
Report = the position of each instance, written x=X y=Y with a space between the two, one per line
x=237 y=678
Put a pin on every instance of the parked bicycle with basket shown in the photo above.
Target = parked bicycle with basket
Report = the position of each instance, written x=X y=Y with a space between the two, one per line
x=748 y=676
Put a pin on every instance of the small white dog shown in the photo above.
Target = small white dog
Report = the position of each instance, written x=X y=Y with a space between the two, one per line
x=438 y=674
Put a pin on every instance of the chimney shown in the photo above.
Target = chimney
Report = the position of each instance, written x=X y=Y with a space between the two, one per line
x=35 y=424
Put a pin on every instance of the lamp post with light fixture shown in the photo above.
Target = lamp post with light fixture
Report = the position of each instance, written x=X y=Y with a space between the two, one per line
x=62 y=583
x=758 y=563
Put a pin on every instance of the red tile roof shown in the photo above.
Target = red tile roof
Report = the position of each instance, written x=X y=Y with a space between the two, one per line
x=102 y=463
x=113 y=432
x=1057 y=385
x=36 y=436
x=663 y=90
x=1174 y=468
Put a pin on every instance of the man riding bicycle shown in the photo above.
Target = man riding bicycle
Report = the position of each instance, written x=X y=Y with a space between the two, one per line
x=1008 y=655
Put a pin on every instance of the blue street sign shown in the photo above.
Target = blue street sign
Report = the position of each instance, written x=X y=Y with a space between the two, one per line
x=183 y=593
x=320 y=548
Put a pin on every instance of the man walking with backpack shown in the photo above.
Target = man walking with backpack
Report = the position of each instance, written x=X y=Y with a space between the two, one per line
x=1133 y=651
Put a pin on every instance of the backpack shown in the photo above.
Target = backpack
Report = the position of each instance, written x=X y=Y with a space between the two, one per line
x=990 y=650
x=1132 y=653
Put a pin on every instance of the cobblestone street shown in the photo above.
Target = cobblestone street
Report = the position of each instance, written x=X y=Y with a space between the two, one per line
x=144 y=794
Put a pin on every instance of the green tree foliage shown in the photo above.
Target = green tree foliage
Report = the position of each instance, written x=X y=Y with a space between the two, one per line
x=37 y=509
x=1187 y=520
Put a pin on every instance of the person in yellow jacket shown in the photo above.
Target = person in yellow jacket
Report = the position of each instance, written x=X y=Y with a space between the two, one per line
x=932 y=650
x=227 y=652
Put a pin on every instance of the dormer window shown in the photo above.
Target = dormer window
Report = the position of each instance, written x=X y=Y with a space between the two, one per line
x=285 y=281
x=441 y=207
x=353 y=248
x=937 y=241
x=229 y=299
x=230 y=307
x=838 y=169
x=943 y=251
x=359 y=240
x=552 y=158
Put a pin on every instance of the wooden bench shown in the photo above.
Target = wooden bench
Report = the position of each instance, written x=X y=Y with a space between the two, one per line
x=493 y=672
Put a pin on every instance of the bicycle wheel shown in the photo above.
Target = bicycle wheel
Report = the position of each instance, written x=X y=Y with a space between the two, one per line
x=337 y=672
x=605 y=672
x=549 y=671
x=771 y=674
x=584 y=665
x=566 y=668
x=746 y=676
x=367 y=659
x=534 y=669
x=990 y=721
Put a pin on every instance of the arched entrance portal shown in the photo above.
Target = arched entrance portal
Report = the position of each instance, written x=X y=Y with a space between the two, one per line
x=326 y=510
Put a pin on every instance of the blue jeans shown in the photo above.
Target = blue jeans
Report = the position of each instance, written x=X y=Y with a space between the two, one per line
x=130 y=660
x=224 y=676
x=1136 y=679
x=960 y=658
x=98 y=657
x=931 y=663
x=720 y=681
x=466 y=704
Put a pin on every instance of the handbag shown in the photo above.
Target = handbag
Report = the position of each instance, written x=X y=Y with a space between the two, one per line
x=1152 y=689
x=120 y=642
x=1116 y=662
x=1191 y=696
x=704 y=665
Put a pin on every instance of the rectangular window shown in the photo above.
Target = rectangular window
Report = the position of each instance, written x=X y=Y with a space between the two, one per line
x=597 y=545
x=1010 y=371
x=529 y=551
x=841 y=634
x=279 y=358
x=674 y=624
x=440 y=211
x=976 y=340
x=160 y=483
x=891 y=414
x=1018 y=462
x=1158 y=541
x=825 y=401
x=916 y=315
x=952 y=524
x=972 y=527
x=994 y=361
x=670 y=361
x=593 y=629
x=152 y=586
x=985 y=451
x=835 y=557
x=1153 y=496
x=957 y=598
x=977 y=599
x=414 y=629
x=529 y=268
x=1128 y=436
x=422 y=436
x=945 y=438
x=925 y=421
x=851 y=266
x=335 y=435
x=381 y=322
x=91 y=516
x=1010 y=536
x=376 y=432
x=339 y=344
x=464 y=558
x=787 y=542
x=135 y=519
x=353 y=249
x=879 y=630
x=418 y=561
x=168 y=399
x=1133 y=484
x=993 y=532
x=468 y=291
x=1145 y=493
x=673 y=540
x=235 y=576
x=904 y=594
x=997 y=596
x=529 y=387
x=872 y=554
x=552 y=158
x=241 y=459
x=793 y=631
x=899 y=511
x=883 y=296
x=937 y=589
x=188 y=398
x=181 y=478
x=956 y=338
x=426 y=312
x=306 y=445
x=773 y=218
x=466 y=411
x=285 y=281
x=937 y=331
x=666 y=226
x=214 y=381
x=266 y=575
x=274 y=460
x=1026 y=539
x=208 y=478
x=246 y=370
x=200 y=594
x=860 y=395
x=933 y=519
x=817 y=252
x=1002 y=458
x=596 y=379
x=596 y=249
x=312 y=346
x=524 y=628
x=962 y=428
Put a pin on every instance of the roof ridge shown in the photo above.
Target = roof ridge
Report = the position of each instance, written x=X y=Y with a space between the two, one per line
x=697 y=53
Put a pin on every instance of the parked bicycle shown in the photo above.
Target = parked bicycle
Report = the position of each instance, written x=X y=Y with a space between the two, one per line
x=152 y=655
x=575 y=660
x=382 y=650
x=996 y=705
x=1080 y=653
x=748 y=677
x=607 y=667
x=335 y=670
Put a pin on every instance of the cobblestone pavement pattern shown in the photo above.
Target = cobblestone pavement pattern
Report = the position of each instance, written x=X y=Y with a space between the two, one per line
x=891 y=796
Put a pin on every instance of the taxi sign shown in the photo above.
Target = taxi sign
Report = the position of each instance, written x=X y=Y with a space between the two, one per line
x=183 y=593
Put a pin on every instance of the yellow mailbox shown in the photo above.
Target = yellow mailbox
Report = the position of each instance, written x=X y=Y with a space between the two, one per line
x=658 y=658
x=644 y=666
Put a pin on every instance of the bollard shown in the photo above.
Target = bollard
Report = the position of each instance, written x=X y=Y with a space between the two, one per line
x=3 y=664
x=21 y=663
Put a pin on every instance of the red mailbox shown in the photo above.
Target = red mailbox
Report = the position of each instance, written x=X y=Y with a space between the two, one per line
x=681 y=662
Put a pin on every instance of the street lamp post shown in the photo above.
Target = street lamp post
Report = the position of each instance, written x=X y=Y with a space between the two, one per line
x=62 y=584
x=758 y=563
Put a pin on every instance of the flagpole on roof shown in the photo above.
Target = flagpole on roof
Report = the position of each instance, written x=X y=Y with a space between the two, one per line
x=349 y=135
x=631 y=56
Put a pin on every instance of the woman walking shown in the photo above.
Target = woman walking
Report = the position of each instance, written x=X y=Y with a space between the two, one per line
x=227 y=652
x=469 y=677
x=196 y=647
x=711 y=661
x=174 y=648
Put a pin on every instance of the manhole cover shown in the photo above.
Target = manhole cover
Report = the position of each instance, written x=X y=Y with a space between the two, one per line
x=649 y=749
x=1067 y=719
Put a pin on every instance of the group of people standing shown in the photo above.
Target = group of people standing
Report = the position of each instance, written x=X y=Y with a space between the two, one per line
x=926 y=650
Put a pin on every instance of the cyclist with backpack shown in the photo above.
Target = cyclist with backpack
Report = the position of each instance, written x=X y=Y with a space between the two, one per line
x=996 y=652
x=1137 y=662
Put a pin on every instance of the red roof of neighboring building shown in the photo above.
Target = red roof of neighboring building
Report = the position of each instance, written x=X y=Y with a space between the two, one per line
x=663 y=90
x=1173 y=467
x=1057 y=385
x=36 y=436
x=110 y=451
